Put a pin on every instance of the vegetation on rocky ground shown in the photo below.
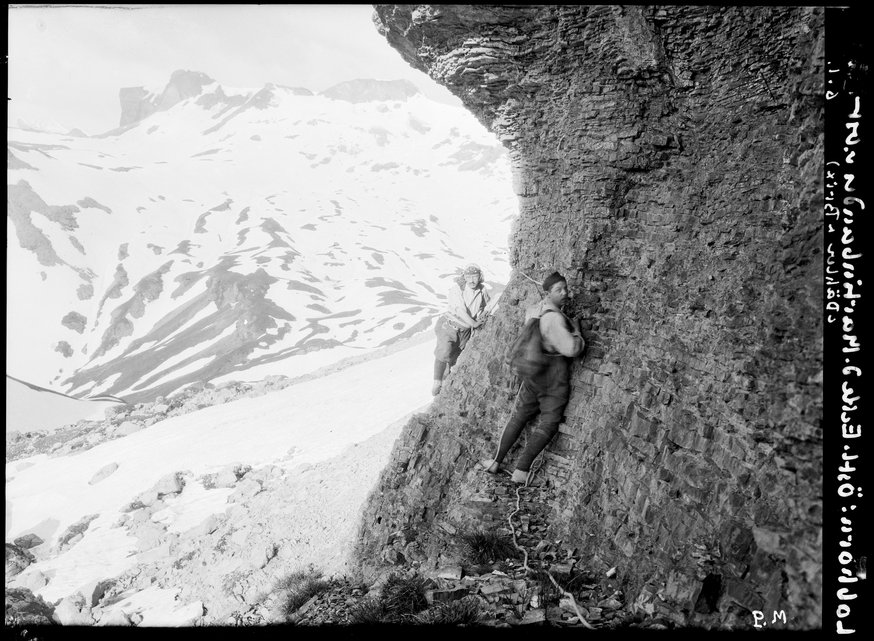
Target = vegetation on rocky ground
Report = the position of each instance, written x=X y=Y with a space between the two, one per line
x=404 y=595
x=466 y=611
x=373 y=610
x=403 y=599
x=400 y=600
x=299 y=587
x=487 y=547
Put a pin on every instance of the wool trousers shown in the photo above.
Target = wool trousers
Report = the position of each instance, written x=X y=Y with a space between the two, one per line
x=450 y=343
x=546 y=395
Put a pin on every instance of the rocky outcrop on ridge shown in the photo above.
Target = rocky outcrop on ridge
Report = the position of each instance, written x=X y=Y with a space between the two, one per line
x=668 y=161
x=137 y=103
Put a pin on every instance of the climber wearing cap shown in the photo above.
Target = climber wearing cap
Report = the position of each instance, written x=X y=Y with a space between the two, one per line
x=465 y=311
x=561 y=340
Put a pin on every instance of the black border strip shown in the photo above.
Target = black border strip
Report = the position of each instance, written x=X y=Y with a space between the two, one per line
x=849 y=114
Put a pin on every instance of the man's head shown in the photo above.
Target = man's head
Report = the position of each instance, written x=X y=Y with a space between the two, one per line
x=472 y=275
x=556 y=290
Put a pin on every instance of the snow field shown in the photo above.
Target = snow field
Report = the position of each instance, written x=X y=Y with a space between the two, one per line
x=302 y=425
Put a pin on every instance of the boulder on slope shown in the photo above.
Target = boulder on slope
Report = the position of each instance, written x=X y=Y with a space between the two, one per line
x=115 y=617
x=128 y=427
x=94 y=590
x=102 y=473
x=226 y=477
x=172 y=483
x=73 y=610
x=246 y=489
x=209 y=525
x=27 y=541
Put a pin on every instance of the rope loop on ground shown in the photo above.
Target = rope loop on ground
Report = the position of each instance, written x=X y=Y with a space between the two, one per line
x=525 y=552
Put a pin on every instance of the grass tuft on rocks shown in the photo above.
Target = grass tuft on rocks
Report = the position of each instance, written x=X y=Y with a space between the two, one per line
x=482 y=547
x=466 y=611
x=399 y=601
x=404 y=595
x=300 y=587
x=369 y=610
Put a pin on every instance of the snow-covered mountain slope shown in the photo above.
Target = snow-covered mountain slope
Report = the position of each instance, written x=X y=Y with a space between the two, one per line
x=185 y=505
x=228 y=230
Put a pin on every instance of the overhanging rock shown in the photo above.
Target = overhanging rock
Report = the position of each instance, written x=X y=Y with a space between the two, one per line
x=668 y=161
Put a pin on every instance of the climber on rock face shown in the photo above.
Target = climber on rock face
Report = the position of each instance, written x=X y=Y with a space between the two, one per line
x=548 y=394
x=465 y=312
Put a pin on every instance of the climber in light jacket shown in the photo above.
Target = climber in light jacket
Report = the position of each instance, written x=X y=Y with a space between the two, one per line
x=549 y=393
x=465 y=311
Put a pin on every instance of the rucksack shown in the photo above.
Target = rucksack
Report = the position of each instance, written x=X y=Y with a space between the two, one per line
x=526 y=357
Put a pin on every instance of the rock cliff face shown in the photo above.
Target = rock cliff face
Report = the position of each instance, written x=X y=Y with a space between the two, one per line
x=668 y=161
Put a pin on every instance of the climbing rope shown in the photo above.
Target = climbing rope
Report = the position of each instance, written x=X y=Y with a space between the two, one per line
x=524 y=551
x=529 y=278
x=535 y=468
x=538 y=461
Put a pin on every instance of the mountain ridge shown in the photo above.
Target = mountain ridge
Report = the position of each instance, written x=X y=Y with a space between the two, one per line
x=259 y=225
x=138 y=103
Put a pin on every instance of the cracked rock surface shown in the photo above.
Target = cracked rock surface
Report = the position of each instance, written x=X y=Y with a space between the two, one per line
x=668 y=161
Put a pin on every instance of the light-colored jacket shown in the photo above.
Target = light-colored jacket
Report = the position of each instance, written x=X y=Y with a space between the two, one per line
x=554 y=328
x=464 y=311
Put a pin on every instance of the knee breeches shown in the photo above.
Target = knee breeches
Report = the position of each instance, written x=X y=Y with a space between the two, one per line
x=450 y=341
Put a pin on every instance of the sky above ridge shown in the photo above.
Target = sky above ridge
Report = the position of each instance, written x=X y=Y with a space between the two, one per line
x=68 y=62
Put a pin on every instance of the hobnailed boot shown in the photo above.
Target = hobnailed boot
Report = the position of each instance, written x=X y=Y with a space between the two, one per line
x=435 y=388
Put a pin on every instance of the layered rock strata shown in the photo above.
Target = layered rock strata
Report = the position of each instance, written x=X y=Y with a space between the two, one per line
x=668 y=161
